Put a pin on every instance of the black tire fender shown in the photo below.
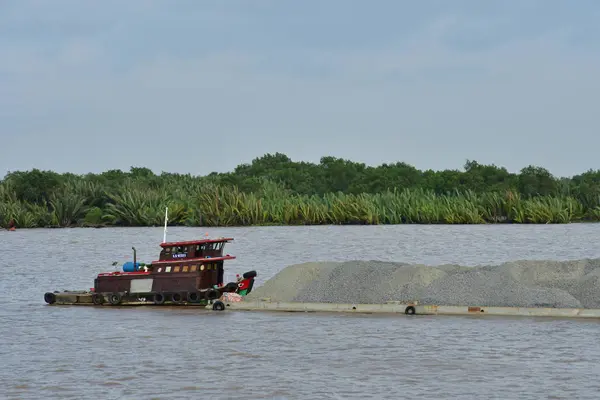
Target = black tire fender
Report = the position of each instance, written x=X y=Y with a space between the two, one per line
x=97 y=299
x=177 y=298
x=194 y=297
x=49 y=297
x=115 y=298
x=159 y=298
x=218 y=306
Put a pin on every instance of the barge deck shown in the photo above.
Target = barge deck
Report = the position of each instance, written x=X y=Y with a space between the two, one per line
x=85 y=299
x=393 y=307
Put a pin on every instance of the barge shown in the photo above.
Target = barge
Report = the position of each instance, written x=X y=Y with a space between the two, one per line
x=188 y=273
x=412 y=308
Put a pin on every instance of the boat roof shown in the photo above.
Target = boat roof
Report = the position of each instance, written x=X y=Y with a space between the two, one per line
x=192 y=242
x=199 y=259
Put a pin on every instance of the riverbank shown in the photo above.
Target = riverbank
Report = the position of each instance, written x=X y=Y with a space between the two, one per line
x=274 y=190
x=336 y=209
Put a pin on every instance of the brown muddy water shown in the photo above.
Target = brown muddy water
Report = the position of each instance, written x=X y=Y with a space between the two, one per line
x=167 y=353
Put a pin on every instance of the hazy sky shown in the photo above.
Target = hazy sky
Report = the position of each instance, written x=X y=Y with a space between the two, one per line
x=199 y=86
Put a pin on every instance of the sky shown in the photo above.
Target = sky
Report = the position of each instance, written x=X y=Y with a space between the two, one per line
x=194 y=86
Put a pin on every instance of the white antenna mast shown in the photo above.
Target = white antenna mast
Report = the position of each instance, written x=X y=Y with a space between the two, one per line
x=166 y=219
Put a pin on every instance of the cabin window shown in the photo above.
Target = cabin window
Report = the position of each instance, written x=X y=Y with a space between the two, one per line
x=168 y=269
x=179 y=252
x=160 y=269
x=167 y=250
x=186 y=268
x=176 y=269
x=193 y=268
x=202 y=267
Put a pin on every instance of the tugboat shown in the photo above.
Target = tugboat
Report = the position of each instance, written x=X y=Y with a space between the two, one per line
x=186 y=273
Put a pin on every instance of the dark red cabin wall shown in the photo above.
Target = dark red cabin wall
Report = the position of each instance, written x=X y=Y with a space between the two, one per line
x=174 y=282
x=220 y=272
x=167 y=282
x=212 y=274
x=115 y=283
x=208 y=277
x=112 y=284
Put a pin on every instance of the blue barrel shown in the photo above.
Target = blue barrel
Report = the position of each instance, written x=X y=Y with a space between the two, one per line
x=129 y=267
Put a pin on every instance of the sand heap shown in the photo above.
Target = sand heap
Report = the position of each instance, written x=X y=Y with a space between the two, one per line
x=512 y=284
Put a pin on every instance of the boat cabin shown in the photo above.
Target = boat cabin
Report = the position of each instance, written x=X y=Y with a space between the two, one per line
x=204 y=257
x=182 y=266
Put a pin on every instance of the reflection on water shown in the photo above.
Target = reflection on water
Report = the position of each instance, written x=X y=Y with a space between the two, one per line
x=169 y=353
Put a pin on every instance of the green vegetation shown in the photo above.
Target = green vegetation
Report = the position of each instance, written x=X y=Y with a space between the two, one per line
x=274 y=190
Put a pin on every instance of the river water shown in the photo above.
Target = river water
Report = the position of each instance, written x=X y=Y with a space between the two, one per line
x=168 y=353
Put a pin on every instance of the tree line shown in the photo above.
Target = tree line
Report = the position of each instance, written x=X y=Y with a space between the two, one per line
x=273 y=189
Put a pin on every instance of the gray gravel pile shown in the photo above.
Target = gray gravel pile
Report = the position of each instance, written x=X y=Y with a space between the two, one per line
x=513 y=284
